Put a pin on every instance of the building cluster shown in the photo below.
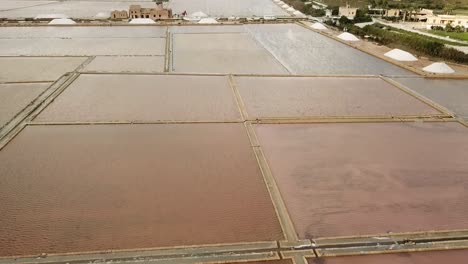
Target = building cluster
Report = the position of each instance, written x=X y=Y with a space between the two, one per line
x=421 y=15
x=428 y=16
x=136 y=11
x=443 y=20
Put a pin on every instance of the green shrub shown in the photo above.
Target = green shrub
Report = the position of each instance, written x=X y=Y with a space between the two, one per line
x=361 y=16
x=316 y=12
x=415 y=42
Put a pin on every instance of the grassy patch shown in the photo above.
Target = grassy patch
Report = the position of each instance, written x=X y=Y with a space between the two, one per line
x=453 y=35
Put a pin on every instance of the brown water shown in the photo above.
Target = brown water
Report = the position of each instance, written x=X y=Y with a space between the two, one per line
x=433 y=257
x=15 y=97
x=318 y=97
x=363 y=178
x=86 y=188
x=144 y=98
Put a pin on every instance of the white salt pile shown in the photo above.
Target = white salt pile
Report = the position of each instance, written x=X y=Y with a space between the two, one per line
x=198 y=14
x=50 y=16
x=318 y=26
x=400 y=55
x=62 y=21
x=142 y=21
x=280 y=3
x=347 y=37
x=298 y=13
x=208 y=20
x=276 y=1
x=102 y=15
x=285 y=6
x=290 y=9
x=191 y=19
x=438 y=67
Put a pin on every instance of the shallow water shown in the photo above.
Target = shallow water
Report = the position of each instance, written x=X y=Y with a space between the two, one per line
x=15 y=97
x=301 y=97
x=144 y=98
x=370 y=178
x=303 y=51
x=82 y=188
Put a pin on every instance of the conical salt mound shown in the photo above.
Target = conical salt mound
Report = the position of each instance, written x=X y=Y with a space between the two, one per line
x=285 y=6
x=347 y=37
x=290 y=9
x=62 y=21
x=400 y=55
x=208 y=20
x=318 y=26
x=438 y=67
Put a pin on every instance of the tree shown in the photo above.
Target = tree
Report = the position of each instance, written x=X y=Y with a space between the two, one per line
x=316 y=12
x=335 y=10
x=344 y=20
x=361 y=16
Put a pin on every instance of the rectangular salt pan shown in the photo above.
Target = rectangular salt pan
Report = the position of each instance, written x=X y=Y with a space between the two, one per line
x=144 y=98
x=308 y=97
x=346 y=179
x=102 y=187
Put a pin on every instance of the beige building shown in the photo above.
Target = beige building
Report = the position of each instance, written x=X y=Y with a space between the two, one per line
x=442 y=20
x=158 y=12
x=347 y=11
x=392 y=13
x=116 y=14
x=421 y=15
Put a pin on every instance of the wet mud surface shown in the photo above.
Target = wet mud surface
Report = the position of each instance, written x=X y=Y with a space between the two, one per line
x=87 y=188
x=96 y=97
x=321 y=97
x=435 y=257
x=363 y=178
